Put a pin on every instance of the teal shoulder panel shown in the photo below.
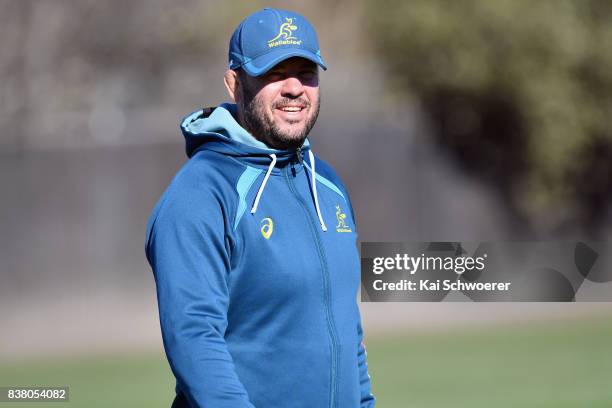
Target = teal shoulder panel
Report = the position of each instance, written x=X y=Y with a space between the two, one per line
x=327 y=183
x=244 y=184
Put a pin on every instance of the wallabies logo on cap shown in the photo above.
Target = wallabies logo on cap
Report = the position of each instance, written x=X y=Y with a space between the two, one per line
x=285 y=35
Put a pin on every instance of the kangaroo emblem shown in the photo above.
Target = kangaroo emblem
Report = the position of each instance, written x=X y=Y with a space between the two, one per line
x=286 y=31
x=341 y=217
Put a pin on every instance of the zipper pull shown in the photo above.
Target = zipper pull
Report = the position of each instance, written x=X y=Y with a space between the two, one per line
x=300 y=153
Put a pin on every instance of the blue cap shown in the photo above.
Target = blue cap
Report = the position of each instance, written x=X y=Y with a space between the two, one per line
x=270 y=36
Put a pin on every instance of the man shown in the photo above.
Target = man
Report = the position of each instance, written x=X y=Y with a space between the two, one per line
x=253 y=244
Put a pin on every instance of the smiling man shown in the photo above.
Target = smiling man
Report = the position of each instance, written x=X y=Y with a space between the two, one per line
x=253 y=244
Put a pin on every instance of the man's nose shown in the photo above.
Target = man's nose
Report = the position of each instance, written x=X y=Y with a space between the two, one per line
x=292 y=87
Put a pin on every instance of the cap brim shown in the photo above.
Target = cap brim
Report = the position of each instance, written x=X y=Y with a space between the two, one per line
x=262 y=64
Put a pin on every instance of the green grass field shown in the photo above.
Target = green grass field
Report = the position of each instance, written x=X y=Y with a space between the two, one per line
x=546 y=365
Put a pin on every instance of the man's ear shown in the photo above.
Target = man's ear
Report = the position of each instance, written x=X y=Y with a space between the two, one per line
x=232 y=84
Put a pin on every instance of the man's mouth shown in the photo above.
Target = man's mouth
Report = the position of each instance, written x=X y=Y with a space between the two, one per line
x=292 y=113
x=291 y=108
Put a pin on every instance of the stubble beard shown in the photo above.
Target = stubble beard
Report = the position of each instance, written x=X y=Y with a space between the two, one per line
x=265 y=130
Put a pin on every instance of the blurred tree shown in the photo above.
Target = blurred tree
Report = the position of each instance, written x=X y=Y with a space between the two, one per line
x=519 y=91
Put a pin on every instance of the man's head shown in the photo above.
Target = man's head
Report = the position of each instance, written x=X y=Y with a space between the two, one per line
x=274 y=77
x=279 y=107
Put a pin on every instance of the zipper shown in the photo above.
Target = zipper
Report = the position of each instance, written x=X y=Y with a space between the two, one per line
x=326 y=287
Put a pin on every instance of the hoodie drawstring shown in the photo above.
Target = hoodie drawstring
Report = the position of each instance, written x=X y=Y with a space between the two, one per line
x=263 y=183
x=314 y=187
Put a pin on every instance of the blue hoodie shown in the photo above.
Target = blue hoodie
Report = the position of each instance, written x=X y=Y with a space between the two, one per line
x=255 y=261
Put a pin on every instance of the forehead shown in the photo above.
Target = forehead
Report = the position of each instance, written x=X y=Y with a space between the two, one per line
x=294 y=63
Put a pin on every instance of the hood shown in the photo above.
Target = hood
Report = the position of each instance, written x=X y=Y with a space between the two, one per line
x=216 y=129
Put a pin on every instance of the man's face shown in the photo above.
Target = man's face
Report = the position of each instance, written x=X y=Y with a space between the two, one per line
x=281 y=106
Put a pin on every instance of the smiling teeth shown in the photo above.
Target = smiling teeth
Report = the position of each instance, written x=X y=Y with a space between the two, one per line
x=291 y=109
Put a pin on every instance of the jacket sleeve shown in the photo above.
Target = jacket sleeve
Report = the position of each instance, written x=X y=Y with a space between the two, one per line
x=367 y=398
x=190 y=259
